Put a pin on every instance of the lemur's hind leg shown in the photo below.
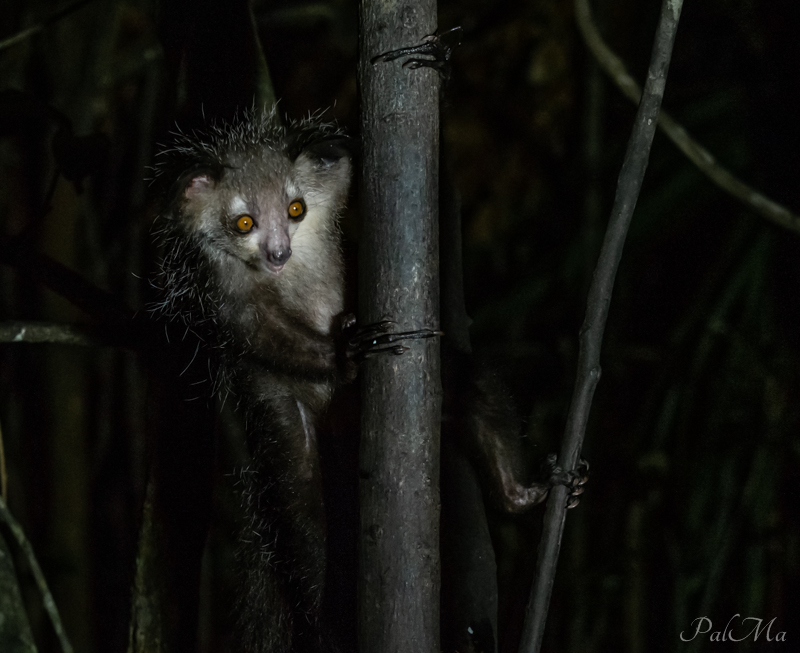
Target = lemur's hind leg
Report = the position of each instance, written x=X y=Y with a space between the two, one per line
x=286 y=525
x=494 y=439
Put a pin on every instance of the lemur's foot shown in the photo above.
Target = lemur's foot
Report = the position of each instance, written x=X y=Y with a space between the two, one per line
x=574 y=480
x=376 y=338
x=437 y=46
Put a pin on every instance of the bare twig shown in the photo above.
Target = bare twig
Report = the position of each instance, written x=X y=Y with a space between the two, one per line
x=47 y=597
x=45 y=332
x=696 y=153
x=3 y=474
x=35 y=29
x=18 y=253
x=591 y=334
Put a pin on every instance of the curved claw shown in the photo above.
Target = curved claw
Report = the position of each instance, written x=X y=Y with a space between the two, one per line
x=405 y=335
x=395 y=350
x=439 y=66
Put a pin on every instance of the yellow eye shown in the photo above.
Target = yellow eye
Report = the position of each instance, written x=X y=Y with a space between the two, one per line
x=297 y=209
x=244 y=223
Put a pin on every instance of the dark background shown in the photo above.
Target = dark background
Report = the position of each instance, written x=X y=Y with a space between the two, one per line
x=692 y=509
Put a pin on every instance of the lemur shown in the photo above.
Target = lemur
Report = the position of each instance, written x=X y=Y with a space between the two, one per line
x=252 y=264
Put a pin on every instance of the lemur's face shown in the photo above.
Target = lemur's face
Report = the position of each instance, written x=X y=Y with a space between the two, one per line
x=265 y=209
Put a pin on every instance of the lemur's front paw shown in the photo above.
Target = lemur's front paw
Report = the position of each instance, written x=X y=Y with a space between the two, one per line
x=347 y=323
x=574 y=480
x=376 y=338
x=439 y=47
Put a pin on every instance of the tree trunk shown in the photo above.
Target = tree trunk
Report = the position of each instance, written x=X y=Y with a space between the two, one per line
x=399 y=462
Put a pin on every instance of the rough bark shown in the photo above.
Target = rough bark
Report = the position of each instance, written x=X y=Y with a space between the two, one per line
x=399 y=462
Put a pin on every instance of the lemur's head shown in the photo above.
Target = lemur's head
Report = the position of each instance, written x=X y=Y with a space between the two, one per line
x=259 y=192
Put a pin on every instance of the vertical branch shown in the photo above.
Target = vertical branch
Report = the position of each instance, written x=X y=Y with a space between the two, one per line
x=47 y=598
x=591 y=334
x=214 y=59
x=15 y=630
x=399 y=461
x=3 y=474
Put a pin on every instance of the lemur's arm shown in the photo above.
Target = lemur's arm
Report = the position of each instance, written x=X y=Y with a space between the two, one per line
x=286 y=344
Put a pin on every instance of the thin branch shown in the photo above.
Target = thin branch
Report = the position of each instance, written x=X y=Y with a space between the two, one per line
x=35 y=29
x=697 y=154
x=45 y=332
x=3 y=473
x=591 y=334
x=100 y=304
x=47 y=597
x=114 y=324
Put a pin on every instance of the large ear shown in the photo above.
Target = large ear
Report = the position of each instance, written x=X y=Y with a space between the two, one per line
x=198 y=184
x=328 y=151
x=194 y=184
x=327 y=161
x=321 y=144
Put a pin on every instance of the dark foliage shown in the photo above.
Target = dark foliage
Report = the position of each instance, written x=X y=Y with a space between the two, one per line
x=693 y=437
